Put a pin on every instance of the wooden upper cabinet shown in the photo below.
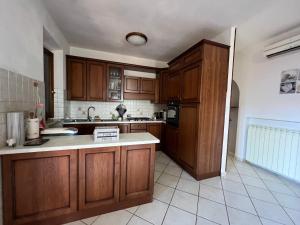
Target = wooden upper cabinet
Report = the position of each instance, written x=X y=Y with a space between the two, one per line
x=115 y=77
x=137 y=167
x=76 y=78
x=99 y=171
x=173 y=86
x=38 y=186
x=96 y=81
x=132 y=84
x=147 y=86
x=163 y=86
x=188 y=135
x=191 y=83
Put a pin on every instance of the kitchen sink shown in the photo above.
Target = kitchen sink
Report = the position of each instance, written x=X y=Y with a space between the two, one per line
x=75 y=120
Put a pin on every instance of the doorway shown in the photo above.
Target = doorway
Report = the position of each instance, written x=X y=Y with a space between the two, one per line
x=233 y=118
x=49 y=83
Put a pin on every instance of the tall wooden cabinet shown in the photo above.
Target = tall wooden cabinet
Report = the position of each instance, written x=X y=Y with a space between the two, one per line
x=197 y=79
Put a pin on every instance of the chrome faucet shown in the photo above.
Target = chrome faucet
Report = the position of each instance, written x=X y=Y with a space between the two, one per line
x=89 y=118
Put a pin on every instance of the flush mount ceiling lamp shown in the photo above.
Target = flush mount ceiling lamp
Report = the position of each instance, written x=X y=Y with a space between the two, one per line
x=136 y=38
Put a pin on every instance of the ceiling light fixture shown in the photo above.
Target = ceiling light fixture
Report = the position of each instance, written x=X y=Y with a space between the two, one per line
x=136 y=38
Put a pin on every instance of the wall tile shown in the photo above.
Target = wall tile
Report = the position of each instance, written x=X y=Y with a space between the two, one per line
x=4 y=96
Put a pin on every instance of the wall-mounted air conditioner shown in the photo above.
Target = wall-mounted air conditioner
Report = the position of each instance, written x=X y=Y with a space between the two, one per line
x=284 y=46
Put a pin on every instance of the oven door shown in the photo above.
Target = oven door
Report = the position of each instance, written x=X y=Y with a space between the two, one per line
x=173 y=115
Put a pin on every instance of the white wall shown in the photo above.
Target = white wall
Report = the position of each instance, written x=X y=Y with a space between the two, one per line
x=21 y=39
x=259 y=79
x=116 y=57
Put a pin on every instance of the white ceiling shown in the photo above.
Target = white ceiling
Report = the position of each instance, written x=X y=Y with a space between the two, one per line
x=171 y=25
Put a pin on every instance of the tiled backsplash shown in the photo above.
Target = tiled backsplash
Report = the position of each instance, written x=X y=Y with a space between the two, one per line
x=78 y=109
x=59 y=97
x=17 y=93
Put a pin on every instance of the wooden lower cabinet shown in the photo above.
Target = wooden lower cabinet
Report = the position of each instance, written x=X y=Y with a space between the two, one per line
x=188 y=135
x=63 y=186
x=38 y=186
x=137 y=169
x=99 y=171
x=171 y=142
x=156 y=130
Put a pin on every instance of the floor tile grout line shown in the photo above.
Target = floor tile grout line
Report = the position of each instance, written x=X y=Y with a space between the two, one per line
x=198 y=202
x=279 y=204
x=171 y=200
x=250 y=196
x=278 y=201
x=225 y=201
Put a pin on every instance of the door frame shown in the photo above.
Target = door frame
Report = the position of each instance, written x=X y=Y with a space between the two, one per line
x=50 y=94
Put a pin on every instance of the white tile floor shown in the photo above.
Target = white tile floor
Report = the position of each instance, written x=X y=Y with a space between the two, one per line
x=246 y=195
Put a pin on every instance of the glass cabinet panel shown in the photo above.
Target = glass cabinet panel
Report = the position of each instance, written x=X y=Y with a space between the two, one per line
x=115 y=83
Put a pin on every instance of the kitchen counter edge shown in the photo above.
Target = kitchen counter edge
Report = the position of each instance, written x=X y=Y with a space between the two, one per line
x=77 y=142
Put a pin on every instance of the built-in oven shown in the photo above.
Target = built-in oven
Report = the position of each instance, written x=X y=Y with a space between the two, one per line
x=173 y=114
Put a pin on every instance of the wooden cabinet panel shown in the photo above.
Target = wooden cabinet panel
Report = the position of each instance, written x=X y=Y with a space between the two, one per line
x=137 y=167
x=188 y=134
x=138 y=126
x=132 y=84
x=155 y=130
x=39 y=185
x=171 y=145
x=124 y=128
x=147 y=86
x=173 y=86
x=163 y=86
x=191 y=83
x=98 y=177
x=96 y=81
x=76 y=78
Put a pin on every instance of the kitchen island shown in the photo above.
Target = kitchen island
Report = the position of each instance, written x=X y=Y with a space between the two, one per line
x=73 y=177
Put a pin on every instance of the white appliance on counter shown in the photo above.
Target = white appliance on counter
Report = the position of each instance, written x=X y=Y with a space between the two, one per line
x=60 y=131
x=15 y=127
x=110 y=133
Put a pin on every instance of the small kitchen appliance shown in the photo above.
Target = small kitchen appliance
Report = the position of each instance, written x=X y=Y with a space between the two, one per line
x=110 y=133
x=15 y=127
x=121 y=109
x=173 y=114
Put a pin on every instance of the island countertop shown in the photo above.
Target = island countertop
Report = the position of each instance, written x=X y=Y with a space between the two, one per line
x=82 y=141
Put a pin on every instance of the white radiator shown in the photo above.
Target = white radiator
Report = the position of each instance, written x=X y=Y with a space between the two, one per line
x=275 y=149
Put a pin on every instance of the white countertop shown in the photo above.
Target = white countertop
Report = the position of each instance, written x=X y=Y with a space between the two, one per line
x=114 y=122
x=82 y=141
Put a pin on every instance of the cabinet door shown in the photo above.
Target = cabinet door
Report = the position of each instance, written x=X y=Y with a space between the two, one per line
x=96 y=81
x=155 y=130
x=76 y=78
x=191 y=83
x=137 y=168
x=147 y=86
x=188 y=137
x=162 y=87
x=173 y=86
x=98 y=177
x=171 y=141
x=39 y=186
x=132 y=84
x=124 y=128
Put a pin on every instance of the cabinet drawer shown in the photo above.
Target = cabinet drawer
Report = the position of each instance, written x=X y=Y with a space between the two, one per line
x=137 y=131
x=138 y=126
x=193 y=56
